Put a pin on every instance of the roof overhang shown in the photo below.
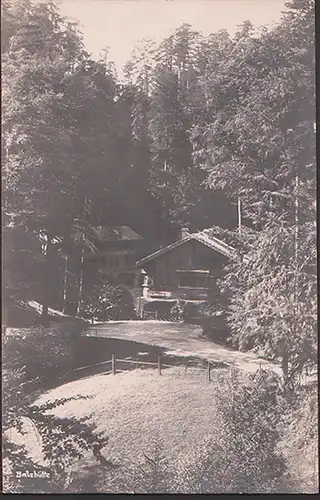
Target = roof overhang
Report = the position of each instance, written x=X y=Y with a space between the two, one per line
x=159 y=300
x=212 y=243
x=193 y=271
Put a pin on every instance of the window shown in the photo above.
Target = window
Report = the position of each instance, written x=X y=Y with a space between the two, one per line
x=187 y=280
x=193 y=280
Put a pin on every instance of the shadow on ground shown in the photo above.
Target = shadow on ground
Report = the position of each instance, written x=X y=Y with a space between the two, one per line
x=94 y=350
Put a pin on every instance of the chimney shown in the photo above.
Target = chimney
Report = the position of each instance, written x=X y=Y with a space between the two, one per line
x=184 y=232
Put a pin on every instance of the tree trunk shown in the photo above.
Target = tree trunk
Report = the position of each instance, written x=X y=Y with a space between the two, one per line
x=47 y=279
x=44 y=314
x=296 y=255
x=5 y=316
x=65 y=284
x=80 y=297
x=285 y=370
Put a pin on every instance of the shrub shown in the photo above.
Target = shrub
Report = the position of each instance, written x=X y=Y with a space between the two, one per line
x=153 y=473
x=63 y=442
x=241 y=455
x=299 y=443
x=211 y=318
x=31 y=361
x=191 y=311
x=177 y=311
x=47 y=354
x=214 y=328
x=105 y=301
x=163 y=309
x=17 y=314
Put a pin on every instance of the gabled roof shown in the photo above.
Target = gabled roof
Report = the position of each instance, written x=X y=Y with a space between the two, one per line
x=209 y=241
x=115 y=233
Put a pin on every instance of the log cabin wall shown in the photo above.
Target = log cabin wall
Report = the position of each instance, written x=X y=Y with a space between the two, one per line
x=190 y=256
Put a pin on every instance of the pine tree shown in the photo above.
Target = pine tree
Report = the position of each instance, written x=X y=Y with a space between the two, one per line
x=260 y=145
x=53 y=159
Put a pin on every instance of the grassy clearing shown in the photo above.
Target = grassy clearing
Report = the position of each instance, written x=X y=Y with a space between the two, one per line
x=132 y=407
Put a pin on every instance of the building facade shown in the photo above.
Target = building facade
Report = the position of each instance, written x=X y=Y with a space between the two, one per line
x=117 y=250
x=188 y=269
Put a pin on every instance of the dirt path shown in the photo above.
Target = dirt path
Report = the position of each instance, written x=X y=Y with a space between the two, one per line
x=179 y=339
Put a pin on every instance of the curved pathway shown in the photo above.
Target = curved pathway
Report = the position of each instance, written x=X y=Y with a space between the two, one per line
x=179 y=339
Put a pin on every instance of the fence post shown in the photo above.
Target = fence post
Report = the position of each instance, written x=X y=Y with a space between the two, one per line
x=113 y=361
x=137 y=365
x=209 y=368
x=159 y=365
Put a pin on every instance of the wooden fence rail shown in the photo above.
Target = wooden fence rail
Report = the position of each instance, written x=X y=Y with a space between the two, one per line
x=92 y=366
x=138 y=362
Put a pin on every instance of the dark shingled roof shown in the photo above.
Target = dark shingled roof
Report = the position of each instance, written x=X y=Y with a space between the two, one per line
x=202 y=237
x=115 y=233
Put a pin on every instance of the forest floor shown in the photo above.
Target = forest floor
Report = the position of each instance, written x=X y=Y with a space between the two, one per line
x=179 y=339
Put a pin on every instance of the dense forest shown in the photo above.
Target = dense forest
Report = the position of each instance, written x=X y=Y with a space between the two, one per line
x=201 y=128
x=207 y=132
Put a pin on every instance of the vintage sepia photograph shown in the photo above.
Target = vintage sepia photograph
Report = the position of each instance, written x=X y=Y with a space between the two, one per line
x=159 y=247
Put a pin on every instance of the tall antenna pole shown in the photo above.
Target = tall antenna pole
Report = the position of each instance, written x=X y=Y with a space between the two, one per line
x=296 y=219
x=296 y=238
x=82 y=258
x=239 y=215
